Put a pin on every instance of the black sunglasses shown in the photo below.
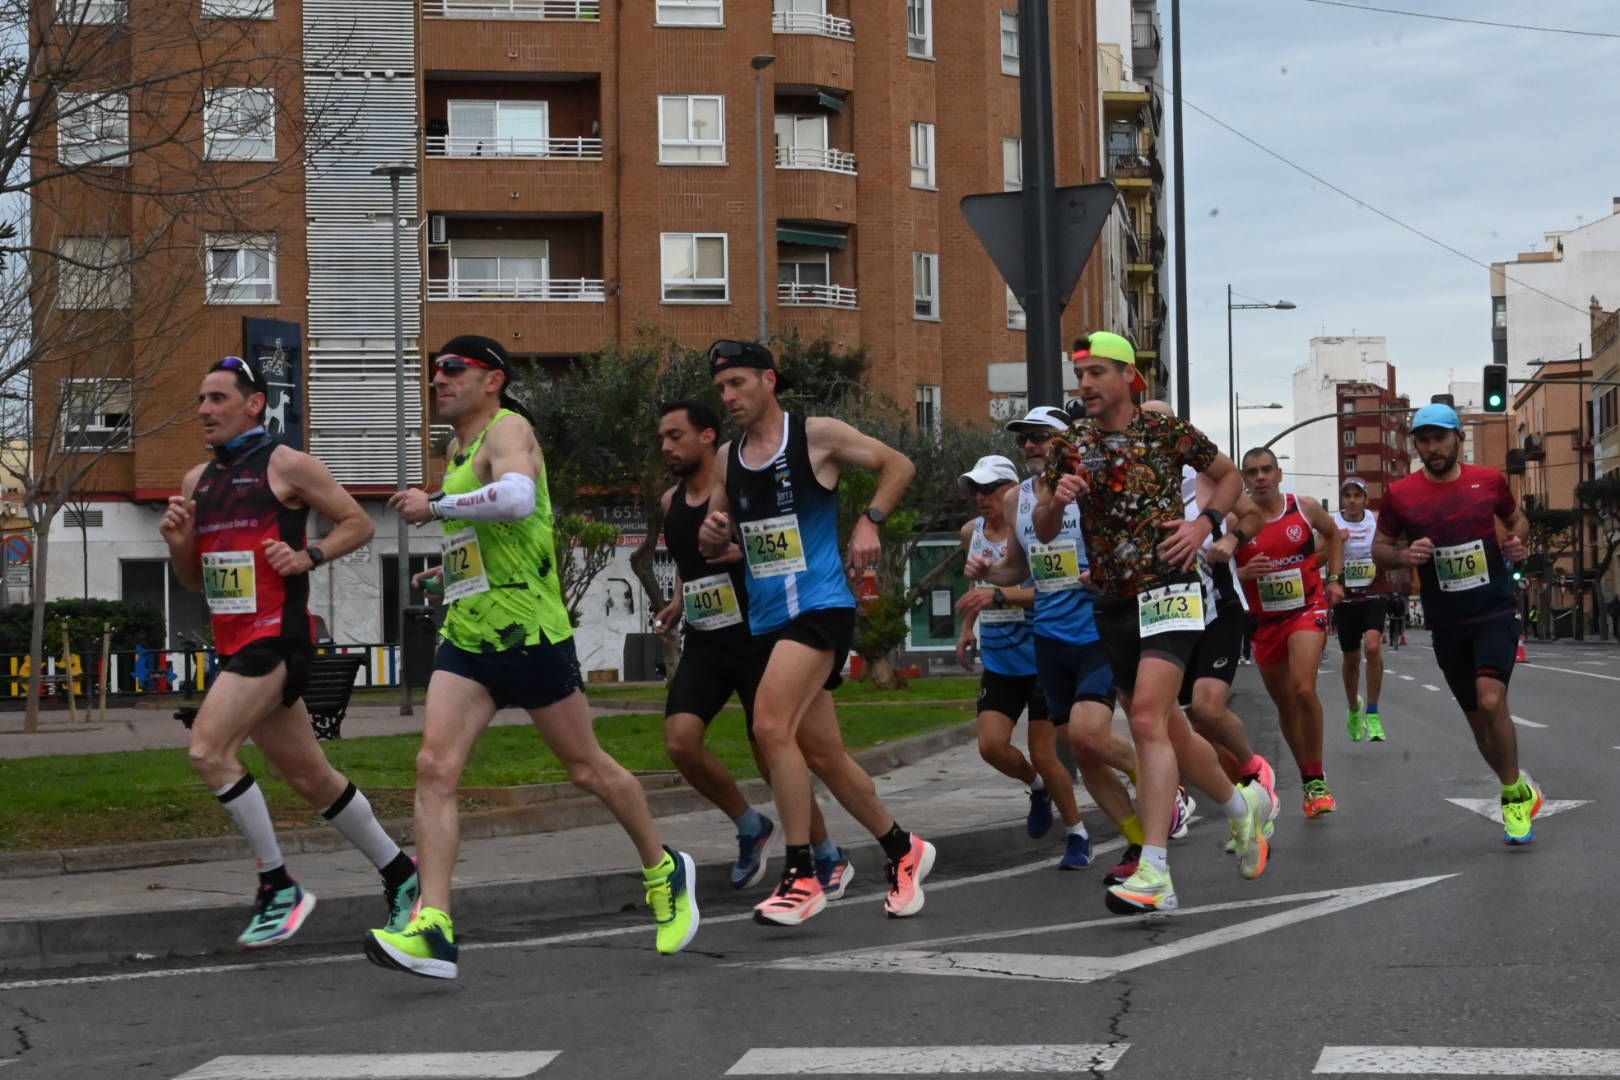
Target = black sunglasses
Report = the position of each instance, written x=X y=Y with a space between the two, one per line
x=987 y=489
x=1036 y=436
x=454 y=365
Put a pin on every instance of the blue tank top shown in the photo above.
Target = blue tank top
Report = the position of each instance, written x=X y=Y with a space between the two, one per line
x=1006 y=635
x=1063 y=607
x=789 y=527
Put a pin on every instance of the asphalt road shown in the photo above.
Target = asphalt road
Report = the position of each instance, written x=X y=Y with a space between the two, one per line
x=1400 y=921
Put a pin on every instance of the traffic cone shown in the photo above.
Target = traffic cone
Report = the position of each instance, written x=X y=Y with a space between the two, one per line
x=1519 y=657
x=1403 y=637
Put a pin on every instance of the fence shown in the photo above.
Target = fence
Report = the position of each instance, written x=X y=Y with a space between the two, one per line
x=188 y=671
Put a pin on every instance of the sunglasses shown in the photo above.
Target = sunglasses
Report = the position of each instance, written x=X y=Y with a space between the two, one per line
x=451 y=364
x=236 y=363
x=1036 y=436
x=986 y=489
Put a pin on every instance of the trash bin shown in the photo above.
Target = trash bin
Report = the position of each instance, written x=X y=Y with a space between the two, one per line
x=643 y=656
x=421 y=641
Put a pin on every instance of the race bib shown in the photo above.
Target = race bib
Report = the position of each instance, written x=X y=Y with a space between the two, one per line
x=1055 y=566
x=228 y=582
x=773 y=546
x=1359 y=573
x=1282 y=591
x=1462 y=566
x=710 y=603
x=993 y=614
x=1170 y=607
x=463 y=566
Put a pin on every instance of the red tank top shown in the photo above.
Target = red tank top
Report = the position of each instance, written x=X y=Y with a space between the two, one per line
x=1294 y=583
x=236 y=513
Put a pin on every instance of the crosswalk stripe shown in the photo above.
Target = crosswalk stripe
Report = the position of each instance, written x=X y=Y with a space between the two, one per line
x=927 y=1060
x=481 y=1065
x=1409 y=678
x=1467 y=1061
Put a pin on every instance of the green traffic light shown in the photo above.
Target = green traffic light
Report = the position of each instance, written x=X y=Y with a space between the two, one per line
x=1494 y=401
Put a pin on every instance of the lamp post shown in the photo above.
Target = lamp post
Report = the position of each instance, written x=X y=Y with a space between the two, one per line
x=1238 y=408
x=759 y=64
x=1231 y=380
x=403 y=575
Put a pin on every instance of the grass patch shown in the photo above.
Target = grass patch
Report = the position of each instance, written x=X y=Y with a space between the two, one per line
x=81 y=800
x=933 y=688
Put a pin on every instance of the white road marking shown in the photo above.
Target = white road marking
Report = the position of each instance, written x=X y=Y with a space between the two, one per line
x=1593 y=663
x=1467 y=1061
x=471 y=1066
x=1538 y=666
x=1492 y=808
x=1431 y=686
x=1044 y=863
x=1522 y=722
x=927 y=1060
x=1409 y=678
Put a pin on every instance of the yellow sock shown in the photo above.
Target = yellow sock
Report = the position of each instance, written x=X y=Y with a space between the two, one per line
x=1131 y=827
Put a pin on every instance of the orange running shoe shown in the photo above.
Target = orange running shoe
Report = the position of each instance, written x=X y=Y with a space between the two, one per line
x=791 y=902
x=906 y=876
x=1318 y=799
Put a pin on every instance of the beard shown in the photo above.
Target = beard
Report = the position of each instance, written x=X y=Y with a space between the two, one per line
x=1446 y=462
x=683 y=469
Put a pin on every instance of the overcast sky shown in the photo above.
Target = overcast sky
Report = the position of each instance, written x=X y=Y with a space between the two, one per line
x=1482 y=137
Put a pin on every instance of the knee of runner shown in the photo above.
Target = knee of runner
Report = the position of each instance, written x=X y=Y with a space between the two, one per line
x=770 y=730
x=207 y=758
x=1303 y=688
x=1148 y=726
x=436 y=770
x=1489 y=693
x=1374 y=649
x=990 y=744
x=680 y=747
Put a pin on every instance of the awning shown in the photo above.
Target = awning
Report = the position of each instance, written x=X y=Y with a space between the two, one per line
x=826 y=238
x=830 y=101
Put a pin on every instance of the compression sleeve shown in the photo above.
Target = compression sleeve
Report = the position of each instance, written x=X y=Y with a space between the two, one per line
x=511 y=498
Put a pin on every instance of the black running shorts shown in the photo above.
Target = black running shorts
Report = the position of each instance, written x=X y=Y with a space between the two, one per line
x=1009 y=695
x=259 y=658
x=1117 y=623
x=714 y=665
x=1482 y=650
x=827 y=629
x=1216 y=654
x=1354 y=618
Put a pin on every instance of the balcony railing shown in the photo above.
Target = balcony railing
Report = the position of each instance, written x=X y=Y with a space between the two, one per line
x=561 y=10
x=573 y=290
x=789 y=294
x=477 y=146
x=1144 y=36
x=810 y=22
x=1134 y=166
x=809 y=157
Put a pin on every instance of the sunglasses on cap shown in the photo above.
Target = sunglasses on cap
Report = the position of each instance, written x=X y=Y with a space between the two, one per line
x=237 y=364
x=451 y=364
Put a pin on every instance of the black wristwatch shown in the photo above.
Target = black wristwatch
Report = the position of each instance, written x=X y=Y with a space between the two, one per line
x=876 y=516
x=1217 y=522
x=316 y=556
x=999 y=597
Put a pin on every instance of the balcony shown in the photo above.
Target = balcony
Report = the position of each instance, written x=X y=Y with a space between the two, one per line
x=821 y=158
x=1135 y=170
x=1145 y=45
x=568 y=290
x=1535 y=448
x=535 y=10
x=790 y=294
x=478 y=146
x=815 y=49
x=811 y=22
x=497 y=142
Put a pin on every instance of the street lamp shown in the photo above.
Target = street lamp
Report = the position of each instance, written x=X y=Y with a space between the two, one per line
x=759 y=64
x=1238 y=406
x=1231 y=383
x=395 y=173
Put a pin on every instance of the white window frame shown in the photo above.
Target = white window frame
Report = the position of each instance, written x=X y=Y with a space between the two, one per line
x=501 y=251
x=667 y=8
x=1012 y=153
x=823 y=260
x=925 y=285
x=930 y=415
x=723 y=283
x=92 y=128
x=1348 y=438
x=815 y=122
x=497 y=141
x=1009 y=25
x=111 y=428
x=91 y=12
x=226 y=137
x=1016 y=317
x=686 y=100
x=924 y=158
x=219 y=291
x=1350 y=466
x=920 y=29
x=105 y=287
x=239 y=9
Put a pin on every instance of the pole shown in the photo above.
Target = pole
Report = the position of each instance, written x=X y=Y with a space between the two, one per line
x=403 y=575
x=1231 y=378
x=1043 y=329
x=759 y=193
x=1183 y=365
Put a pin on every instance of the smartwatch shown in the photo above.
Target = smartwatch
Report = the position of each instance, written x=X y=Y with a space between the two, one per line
x=876 y=516
x=1217 y=522
x=316 y=556
x=999 y=597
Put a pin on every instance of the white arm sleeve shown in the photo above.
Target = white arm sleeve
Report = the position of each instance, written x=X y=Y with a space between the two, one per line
x=511 y=498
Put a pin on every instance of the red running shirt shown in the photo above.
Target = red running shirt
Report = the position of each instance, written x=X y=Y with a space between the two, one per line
x=1294 y=584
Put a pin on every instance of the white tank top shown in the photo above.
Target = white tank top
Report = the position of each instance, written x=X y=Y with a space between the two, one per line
x=1359 y=572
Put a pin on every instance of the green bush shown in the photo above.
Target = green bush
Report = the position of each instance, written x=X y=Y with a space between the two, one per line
x=131 y=624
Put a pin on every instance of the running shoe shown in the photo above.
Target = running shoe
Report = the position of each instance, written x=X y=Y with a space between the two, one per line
x=1039 y=822
x=1148 y=889
x=1076 y=852
x=835 y=874
x=1249 y=832
x=906 y=875
x=1375 y=728
x=1318 y=799
x=751 y=858
x=794 y=900
x=426 y=947
x=1356 y=725
x=402 y=902
x=1182 y=819
x=670 y=894
x=1516 y=815
x=277 y=915
x=1126 y=866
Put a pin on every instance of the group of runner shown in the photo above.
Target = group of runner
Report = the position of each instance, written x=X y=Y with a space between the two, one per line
x=1104 y=579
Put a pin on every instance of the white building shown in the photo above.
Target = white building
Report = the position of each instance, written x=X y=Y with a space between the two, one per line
x=1332 y=360
x=1541 y=299
x=1467 y=396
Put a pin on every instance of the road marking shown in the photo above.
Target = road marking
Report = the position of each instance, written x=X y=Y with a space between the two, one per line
x=1467 y=1061
x=1492 y=808
x=927 y=1060
x=471 y=1066
x=1593 y=663
x=1538 y=666
x=1409 y=678
x=1431 y=686
x=1522 y=722
x=916 y=959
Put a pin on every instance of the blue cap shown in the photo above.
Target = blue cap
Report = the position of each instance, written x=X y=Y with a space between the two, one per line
x=1437 y=415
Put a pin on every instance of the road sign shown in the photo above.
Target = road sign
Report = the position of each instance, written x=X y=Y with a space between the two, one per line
x=18 y=549
x=998 y=219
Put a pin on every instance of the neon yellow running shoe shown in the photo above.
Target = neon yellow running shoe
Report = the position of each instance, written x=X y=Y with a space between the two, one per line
x=427 y=946
x=1375 y=728
x=1517 y=813
x=673 y=901
x=1147 y=890
x=1356 y=724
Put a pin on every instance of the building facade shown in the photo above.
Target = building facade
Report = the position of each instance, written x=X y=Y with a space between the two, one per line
x=1374 y=429
x=1320 y=450
x=1539 y=299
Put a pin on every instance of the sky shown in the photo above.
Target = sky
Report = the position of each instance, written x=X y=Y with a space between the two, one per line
x=1482 y=137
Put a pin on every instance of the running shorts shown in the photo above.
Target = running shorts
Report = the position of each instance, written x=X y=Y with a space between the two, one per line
x=1072 y=673
x=1482 y=650
x=827 y=629
x=262 y=656
x=714 y=665
x=526 y=677
x=1117 y=623
x=1216 y=654
x=1354 y=618
x=1271 y=638
x=1009 y=695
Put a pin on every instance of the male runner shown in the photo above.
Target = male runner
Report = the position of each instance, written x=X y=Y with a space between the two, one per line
x=718 y=656
x=1281 y=579
x=1360 y=616
x=236 y=532
x=507 y=642
x=1397 y=620
x=779 y=498
x=1009 y=684
x=1151 y=609
x=1449 y=514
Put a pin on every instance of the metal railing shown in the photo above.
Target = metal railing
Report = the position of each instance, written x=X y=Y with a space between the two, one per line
x=810 y=22
x=166 y=671
x=473 y=146
x=790 y=294
x=562 y=10
x=1144 y=36
x=574 y=290
x=1131 y=164
x=809 y=157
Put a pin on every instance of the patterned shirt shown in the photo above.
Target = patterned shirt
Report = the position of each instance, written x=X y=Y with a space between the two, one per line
x=1135 y=486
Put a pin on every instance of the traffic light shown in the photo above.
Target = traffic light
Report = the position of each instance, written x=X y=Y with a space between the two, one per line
x=1496 y=388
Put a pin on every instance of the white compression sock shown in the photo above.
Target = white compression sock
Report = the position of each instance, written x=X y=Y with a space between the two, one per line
x=1235 y=807
x=244 y=801
x=353 y=817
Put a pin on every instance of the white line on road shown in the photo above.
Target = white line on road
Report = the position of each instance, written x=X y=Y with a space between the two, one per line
x=1522 y=722
x=470 y=1066
x=1431 y=686
x=927 y=1060
x=1467 y=1061
x=1492 y=808
x=1409 y=678
x=1535 y=665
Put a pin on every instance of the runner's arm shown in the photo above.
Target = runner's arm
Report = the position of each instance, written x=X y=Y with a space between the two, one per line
x=718 y=532
x=179 y=531
x=313 y=483
x=1386 y=555
x=511 y=456
x=1328 y=529
x=1013 y=568
x=846 y=446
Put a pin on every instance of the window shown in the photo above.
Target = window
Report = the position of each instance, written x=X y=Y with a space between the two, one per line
x=803 y=270
x=498 y=128
x=241 y=269
x=928 y=415
x=1349 y=466
x=90 y=12
x=920 y=28
x=801 y=141
x=1608 y=409
x=922 y=156
x=93 y=273
x=1349 y=438
x=692 y=130
x=1012 y=164
x=691 y=12
x=92 y=129
x=96 y=414
x=695 y=267
x=1499 y=312
x=500 y=267
x=925 y=284
x=239 y=9
x=1009 y=43
x=239 y=124
x=1015 y=312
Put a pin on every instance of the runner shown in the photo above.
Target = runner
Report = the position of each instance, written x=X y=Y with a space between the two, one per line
x=1360 y=616
x=507 y=643
x=1397 y=620
x=718 y=656
x=236 y=532
x=1006 y=619
x=1281 y=580
x=781 y=478
x=1143 y=553
x=1449 y=515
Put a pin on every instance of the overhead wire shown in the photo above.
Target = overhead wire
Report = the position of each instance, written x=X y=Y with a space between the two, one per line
x=1461 y=19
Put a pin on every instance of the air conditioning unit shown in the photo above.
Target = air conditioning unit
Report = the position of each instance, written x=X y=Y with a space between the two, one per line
x=436 y=229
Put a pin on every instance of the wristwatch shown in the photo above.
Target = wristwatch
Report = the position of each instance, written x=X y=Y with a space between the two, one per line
x=876 y=516
x=1217 y=521
x=1335 y=579
x=316 y=556
x=999 y=597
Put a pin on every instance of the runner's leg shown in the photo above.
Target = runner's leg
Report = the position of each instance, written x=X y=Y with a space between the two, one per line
x=458 y=710
x=683 y=739
x=1373 y=649
x=1304 y=660
x=823 y=747
x=997 y=749
x=780 y=705
x=566 y=728
x=1044 y=760
x=1493 y=729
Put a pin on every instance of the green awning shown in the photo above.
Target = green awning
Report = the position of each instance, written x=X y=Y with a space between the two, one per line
x=813 y=237
x=830 y=101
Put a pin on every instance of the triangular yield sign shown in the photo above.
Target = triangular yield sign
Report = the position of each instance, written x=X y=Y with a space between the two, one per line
x=1492 y=808
x=1079 y=214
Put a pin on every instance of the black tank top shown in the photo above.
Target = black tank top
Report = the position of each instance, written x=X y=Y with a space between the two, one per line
x=680 y=537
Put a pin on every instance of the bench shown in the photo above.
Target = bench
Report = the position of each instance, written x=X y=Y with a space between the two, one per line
x=331 y=684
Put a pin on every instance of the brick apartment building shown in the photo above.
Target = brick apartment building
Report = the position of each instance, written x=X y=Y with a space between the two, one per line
x=1373 y=445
